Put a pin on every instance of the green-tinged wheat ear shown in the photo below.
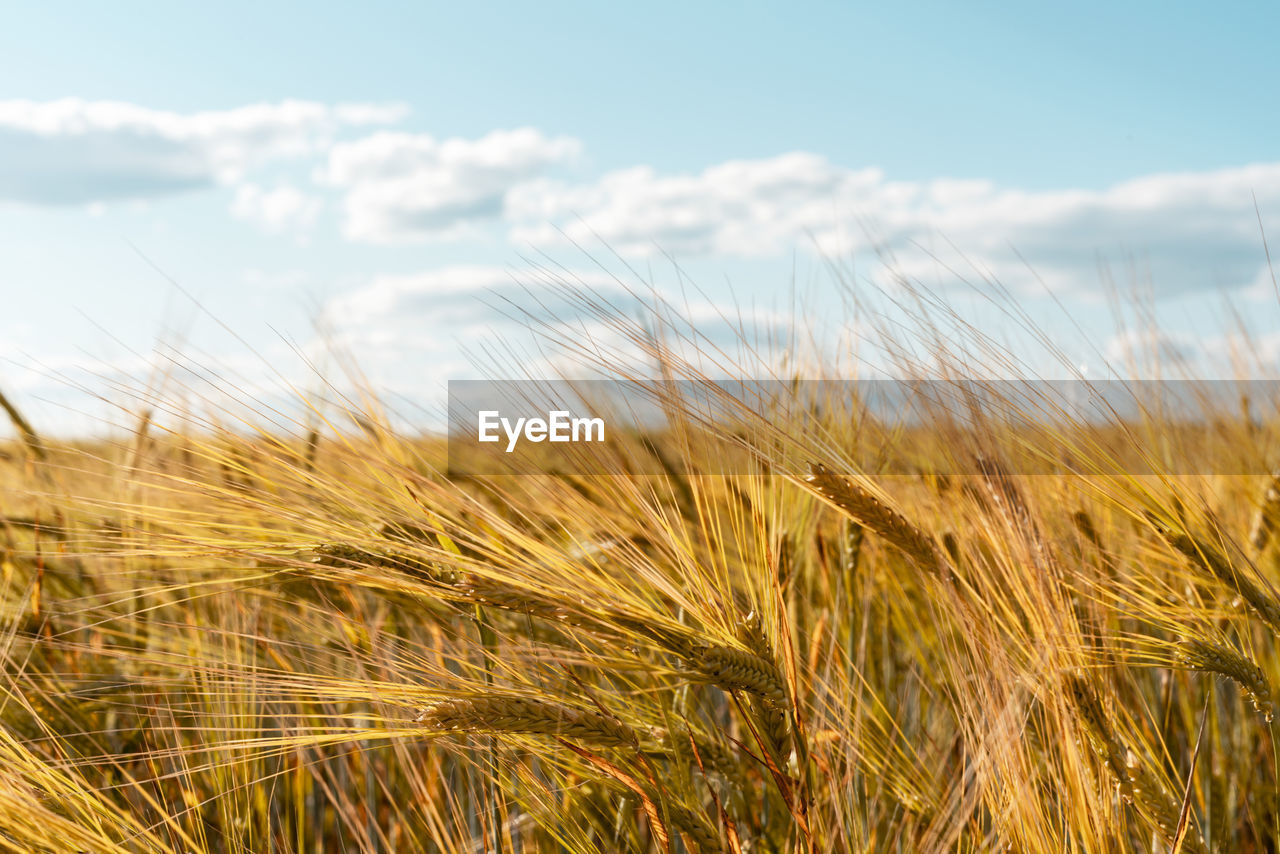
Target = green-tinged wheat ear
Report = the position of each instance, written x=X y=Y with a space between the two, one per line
x=868 y=510
x=1136 y=783
x=1210 y=657
x=1267 y=518
x=695 y=827
x=853 y=546
x=343 y=556
x=696 y=750
x=774 y=729
x=454 y=585
x=1208 y=558
x=497 y=713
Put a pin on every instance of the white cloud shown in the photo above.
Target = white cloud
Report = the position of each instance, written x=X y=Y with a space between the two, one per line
x=404 y=187
x=73 y=151
x=281 y=209
x=1186 y=231
x=739 y=207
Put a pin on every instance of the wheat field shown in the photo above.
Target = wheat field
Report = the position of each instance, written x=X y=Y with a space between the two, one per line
x=300 y=633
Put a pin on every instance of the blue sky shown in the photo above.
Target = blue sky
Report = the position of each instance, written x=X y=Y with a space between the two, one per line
x=385 y=166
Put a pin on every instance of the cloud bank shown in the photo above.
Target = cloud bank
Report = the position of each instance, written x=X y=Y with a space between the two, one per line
x=1187 y=231
x=403 y=187
x=73 y=151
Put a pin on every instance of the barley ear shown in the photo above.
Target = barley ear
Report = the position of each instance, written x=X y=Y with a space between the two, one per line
x=1210 y=657
x=868 y=510
x=1137 y=785
x=516 y=715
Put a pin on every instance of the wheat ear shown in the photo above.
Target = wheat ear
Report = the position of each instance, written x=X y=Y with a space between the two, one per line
x=1210 y=657
x=496 y=713
x=1137 y=785
x=770 y=717
x=869 y=511
x=736 y=669
x=694 y=826
x=1211 y=560
x=1267 y=518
